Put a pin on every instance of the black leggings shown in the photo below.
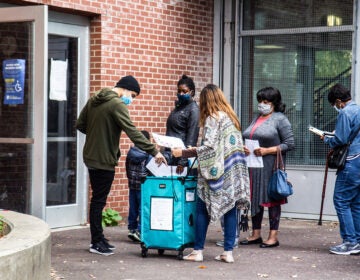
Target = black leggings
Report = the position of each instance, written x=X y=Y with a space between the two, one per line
x=274 y=218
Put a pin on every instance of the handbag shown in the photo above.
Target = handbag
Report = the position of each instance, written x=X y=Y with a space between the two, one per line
x=279 y=187
x=337 y=157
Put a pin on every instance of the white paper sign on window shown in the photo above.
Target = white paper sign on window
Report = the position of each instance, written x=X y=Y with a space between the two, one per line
x=58 y=80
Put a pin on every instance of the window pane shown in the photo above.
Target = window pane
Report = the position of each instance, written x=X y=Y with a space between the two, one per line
x=292 y=14
x=16 y=119
x=62 y=113
x=303 y=67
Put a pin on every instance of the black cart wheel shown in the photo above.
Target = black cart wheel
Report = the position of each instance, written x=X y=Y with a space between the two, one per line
x=180 y=256
x=161 y=252
x=144 y=252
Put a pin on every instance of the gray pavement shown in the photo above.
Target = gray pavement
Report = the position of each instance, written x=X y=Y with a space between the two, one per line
x=302 y=254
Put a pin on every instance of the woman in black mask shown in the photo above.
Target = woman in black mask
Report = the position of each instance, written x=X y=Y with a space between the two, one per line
x=183 y=121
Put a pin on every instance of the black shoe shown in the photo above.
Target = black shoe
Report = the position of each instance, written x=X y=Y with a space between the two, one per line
x=110 y=246
x=264 y=245
x=107 y=244
x=101 y=249
x=250 y=242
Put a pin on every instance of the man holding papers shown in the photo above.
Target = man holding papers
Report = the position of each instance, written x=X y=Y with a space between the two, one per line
x=347 y=185
x=104 y=117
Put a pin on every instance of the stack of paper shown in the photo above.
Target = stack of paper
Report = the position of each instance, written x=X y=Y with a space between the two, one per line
x=163 y=169
x=320 y=132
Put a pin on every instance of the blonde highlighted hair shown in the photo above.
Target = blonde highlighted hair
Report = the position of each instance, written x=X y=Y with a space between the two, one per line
x=212 y=100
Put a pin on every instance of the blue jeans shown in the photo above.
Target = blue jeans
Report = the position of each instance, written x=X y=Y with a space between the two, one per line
x=134 y=209
x=202 y=222
x=238 y=217
x=347 y=201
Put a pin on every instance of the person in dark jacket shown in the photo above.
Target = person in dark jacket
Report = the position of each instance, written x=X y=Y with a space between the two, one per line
x=136 y=172
x=183 y=121
x=102 y=119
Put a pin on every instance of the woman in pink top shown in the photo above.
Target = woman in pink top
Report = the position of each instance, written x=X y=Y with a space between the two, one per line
x=272 y=129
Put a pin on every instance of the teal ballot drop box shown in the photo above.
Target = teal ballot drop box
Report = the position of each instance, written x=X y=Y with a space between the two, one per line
x=168 y=206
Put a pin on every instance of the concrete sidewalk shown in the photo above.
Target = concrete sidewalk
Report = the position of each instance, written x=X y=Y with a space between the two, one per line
x=302 y=254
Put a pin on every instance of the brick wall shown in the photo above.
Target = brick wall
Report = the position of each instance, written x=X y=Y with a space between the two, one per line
x=156 y=41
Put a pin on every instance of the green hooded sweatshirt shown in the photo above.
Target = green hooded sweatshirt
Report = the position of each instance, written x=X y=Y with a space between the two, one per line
x=103 y=119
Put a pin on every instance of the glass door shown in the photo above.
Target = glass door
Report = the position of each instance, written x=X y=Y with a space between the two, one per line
x=21 y=32
x=66 y=185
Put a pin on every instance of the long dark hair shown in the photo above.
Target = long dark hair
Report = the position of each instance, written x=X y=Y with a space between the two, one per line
x=272 y=95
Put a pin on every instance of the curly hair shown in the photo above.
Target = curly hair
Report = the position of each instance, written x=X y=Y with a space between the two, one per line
x=187 y=81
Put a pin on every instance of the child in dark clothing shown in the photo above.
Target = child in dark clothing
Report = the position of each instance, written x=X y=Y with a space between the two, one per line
x=136 y=171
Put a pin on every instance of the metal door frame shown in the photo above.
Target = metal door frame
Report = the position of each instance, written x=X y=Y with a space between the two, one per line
x=42 y=19
x=76 y=27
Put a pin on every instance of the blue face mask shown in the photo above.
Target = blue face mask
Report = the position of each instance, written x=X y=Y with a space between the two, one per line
x=127 y=100
x=183 y=97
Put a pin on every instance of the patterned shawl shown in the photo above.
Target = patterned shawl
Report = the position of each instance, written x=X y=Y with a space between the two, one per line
x=231 y=185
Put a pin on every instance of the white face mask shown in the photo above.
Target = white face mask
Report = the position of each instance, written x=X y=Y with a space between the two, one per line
x=264 y=109
x=336 y=108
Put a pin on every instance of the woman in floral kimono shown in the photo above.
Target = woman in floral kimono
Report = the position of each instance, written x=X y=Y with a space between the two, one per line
x=223 y=180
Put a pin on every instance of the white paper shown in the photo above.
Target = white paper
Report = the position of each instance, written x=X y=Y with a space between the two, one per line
x=168 y=141
x=320 y=132
x=253 y=160
x=58 y=78
x=191 y=161
x=161 y=213
x=189 y=195
x=163 y=169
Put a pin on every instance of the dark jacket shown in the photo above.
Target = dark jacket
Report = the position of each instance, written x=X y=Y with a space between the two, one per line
x=183 y=123
x=102 y=119
x=136 y=170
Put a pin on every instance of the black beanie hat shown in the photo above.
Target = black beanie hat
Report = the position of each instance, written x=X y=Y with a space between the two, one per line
x=129 y=83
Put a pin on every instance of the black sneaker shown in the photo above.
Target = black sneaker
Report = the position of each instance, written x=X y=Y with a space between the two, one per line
x=101 y=249
x=134 y=235
x=107 y=244
x=110 y=246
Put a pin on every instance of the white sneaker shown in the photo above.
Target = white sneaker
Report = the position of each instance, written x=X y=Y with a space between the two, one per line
x=194 y=256
x=226 y=256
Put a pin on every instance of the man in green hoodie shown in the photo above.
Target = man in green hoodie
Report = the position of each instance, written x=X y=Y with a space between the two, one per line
x=102 y=119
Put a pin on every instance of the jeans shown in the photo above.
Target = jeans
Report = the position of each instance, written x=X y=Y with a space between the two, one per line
x=101 y=181
x=134 y=209
x=202 y=222
x=238 y=217
x=347 y=201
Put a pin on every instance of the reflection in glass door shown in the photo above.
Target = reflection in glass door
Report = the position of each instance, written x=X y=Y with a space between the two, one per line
x=62 y=112
x=16 y=115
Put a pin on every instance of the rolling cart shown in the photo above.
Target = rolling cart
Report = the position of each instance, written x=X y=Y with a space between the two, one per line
x=168 y=206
